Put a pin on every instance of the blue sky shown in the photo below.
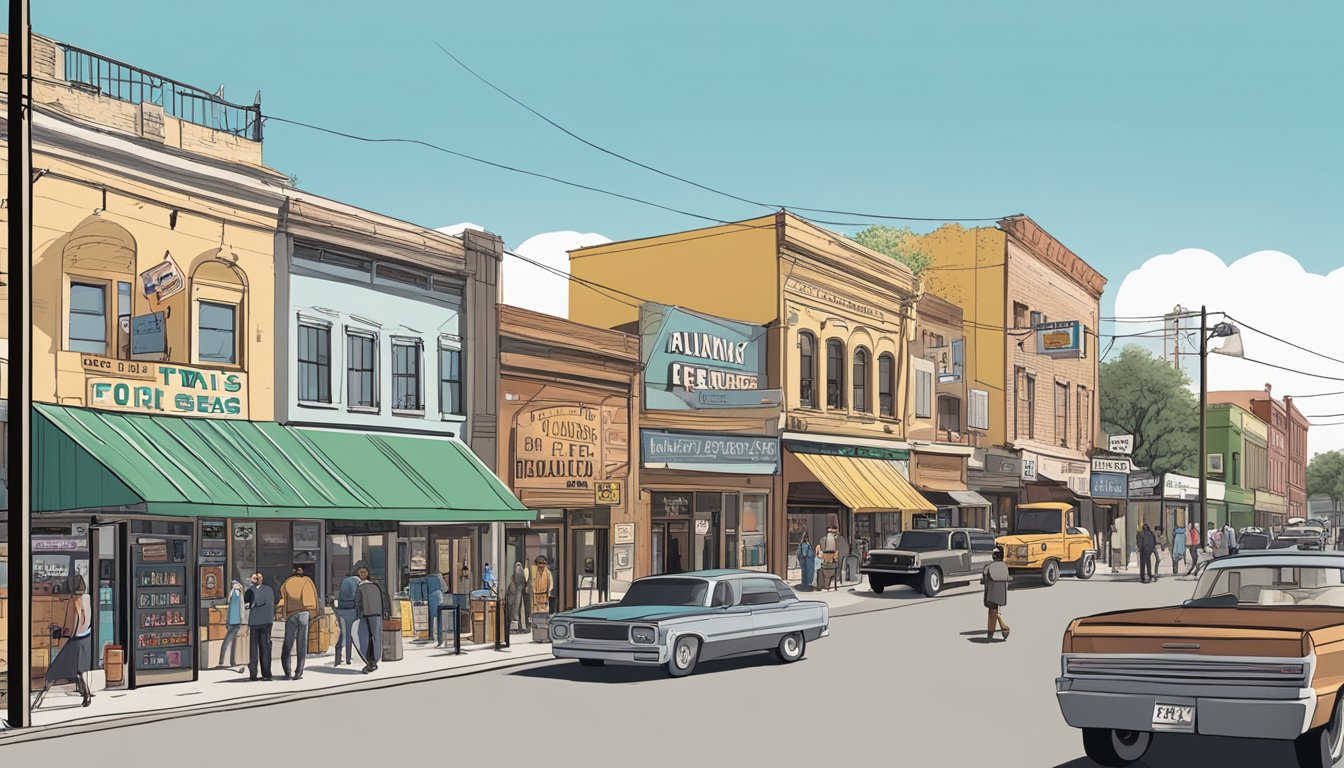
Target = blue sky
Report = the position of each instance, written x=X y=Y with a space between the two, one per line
x=1126 y=130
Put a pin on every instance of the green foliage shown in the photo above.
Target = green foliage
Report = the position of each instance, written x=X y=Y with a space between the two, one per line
x=1325 y=475
x=1148 y=398
x=896 y=243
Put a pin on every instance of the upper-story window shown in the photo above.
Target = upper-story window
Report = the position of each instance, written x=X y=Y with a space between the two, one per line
x=949 y=414
x=217 y=333
x=407 y=393
x=861 y=380
x=88 y=318
x=451 y=400
x=923 y=394
x=1062 y=413
x=807 y=370
x=218 y=288
x=1020 y=317
x=886 y=385
x=361 y=360
x=958 y=368
x=314 y=358
x=835 y=374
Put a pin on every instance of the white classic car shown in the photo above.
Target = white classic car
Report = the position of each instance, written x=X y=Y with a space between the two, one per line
x=680 y=620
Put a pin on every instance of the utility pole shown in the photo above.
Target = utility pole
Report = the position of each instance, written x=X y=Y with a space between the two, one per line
x=1203 y=430
x=19 y=116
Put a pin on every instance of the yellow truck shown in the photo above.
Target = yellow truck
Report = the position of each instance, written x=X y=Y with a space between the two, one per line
x=1046 y=544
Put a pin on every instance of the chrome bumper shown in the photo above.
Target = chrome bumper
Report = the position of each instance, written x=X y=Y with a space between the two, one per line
x=891 y=570
x=616 y=654
x=1280 y=714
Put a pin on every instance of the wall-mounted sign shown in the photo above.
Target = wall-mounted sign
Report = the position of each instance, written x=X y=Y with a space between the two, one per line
x=732 y=453
x=173 y=389
x=1059 y=339
x=688 y=354
x=1176 y=486
x=625 y=533
x=557 y=447
x=701 y=527
x=122 y=369
x=834 y=299
x=163 y=280
x=1144 y=484
x=854 y=451
x=1028 y=469
x=147 y=334
x=1122 y=444
x=706 y=398
x=1109 y=485
x=1005 y=466
x=1120 y=466
x=609 y=494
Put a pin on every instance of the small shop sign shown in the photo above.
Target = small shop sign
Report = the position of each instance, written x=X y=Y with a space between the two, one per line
x=1120 y=466
x=122 y=369
x=172 y=389
x=1122 y=444
x=609 y=494
x=1109 y=485
x=1028 y=469
x=1176 y=486
x=147 y=334
x=163 y=280
x=669 y=448
x=1059 y=340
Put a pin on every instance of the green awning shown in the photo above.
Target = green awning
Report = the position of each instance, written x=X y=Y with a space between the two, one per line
x=85 y=459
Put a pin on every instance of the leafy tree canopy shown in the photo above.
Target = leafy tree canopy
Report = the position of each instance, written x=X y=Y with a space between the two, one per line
x=1149 y=399
x=896 y=242
x=1325 y=475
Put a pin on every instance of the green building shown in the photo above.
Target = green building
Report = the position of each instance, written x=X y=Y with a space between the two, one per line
x=1238 y=456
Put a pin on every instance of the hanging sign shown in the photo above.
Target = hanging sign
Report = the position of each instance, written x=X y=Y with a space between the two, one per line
x=147 y=334
x=163 y=280
x=1060 y=340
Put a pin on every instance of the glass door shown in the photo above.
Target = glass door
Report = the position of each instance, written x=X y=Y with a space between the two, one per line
x=708 y=509
x=678 y=546
x=589 y=562
x=657 y=544
x=732 y=524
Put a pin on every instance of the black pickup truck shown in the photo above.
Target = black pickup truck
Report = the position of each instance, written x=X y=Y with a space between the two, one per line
x=930 y=559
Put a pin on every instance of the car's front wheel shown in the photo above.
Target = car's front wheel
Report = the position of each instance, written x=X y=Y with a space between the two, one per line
x=791 y=647
x=877 y=585
x=1114 y=749
x=932 y=582
x=1322 y=747
x=1087 y=566
x=685 y=654
x=1050 y=573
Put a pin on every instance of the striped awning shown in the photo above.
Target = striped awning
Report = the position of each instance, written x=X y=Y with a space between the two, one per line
x=865 y=485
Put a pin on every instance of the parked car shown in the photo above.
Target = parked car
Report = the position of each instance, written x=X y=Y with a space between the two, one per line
x=1255 y=538
x=1301 y=538
x=680 y=620
x=929 y=559
x=1044 y=543
x=1253 y=655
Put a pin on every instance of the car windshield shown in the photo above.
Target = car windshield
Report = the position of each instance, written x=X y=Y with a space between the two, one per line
x=667 y=592
x=1253 y=541
x=923 y=541
x=1278 y=586
x=1038 y=521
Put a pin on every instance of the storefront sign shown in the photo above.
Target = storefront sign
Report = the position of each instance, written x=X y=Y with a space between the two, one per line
x=1059 y=340
x=832 y=298
x=701 y=527
x=56 y=545
x=1028 y=469
x=688 y=355
x=1109 y=485
x=1143 y=484
x=1119 y=466
x=122 y=369
x=557 y=447
x=854 y=451
x=609 y=494
x=757 y=398
x=163 y=280
x=147 y=334
x=625 y=533
x=667 y=448
x=1176 y=486
x=173 y=389
x=1122 y=444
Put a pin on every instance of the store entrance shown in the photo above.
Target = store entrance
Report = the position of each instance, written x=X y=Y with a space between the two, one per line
x=588 y=556
x=670 y=544
x=106 y=588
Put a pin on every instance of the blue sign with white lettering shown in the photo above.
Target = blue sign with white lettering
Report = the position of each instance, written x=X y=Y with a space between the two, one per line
x=1109 y=485
x=695 y=361
x=709 y=453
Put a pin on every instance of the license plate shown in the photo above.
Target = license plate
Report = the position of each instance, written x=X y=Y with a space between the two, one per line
x=1172 y=715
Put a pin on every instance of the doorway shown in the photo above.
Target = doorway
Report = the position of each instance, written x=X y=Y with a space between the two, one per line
x=591 y=569
x=670 y=544
x=105 y=590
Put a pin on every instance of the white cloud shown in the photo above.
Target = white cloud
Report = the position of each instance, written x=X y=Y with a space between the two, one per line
x=531 y=287
x=457 y=229
x=1269 y=291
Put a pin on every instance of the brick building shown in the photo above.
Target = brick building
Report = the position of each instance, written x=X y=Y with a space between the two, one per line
x=1285 y=493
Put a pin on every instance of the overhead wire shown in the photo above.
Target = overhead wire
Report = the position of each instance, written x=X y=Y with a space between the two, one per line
x=1244 y=324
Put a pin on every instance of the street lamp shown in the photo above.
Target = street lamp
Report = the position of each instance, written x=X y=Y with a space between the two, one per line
x=1230 y=347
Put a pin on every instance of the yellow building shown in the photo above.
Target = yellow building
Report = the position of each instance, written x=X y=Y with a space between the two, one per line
x=838 y=321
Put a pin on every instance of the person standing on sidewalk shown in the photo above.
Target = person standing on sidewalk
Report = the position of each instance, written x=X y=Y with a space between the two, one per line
x=1147 y=554
x=1194 y=543
x=996 y=578
x=233 y=619
x=372 y=608
x=261 y=599
x=298 y=604
x=806 y=555
x=1118 y=559
x=1177 y=549
x=345 y=619
x=1230 y=538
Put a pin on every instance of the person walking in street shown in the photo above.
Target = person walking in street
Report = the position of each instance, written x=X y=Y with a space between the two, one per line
x=233 y=620
x=1147 y=554
x=372 y=608
x=1230 y=538
x=260 y=598
x=1194 y=544
x=298 y=606
x=75 y=657
x=541 y=586
x=995 y=578
x=1177 y=549
x=806 y=555
x=345 y=619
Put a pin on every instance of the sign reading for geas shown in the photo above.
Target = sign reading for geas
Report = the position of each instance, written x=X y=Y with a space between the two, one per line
x=172 y=389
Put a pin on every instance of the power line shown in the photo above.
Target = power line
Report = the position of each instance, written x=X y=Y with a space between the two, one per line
x=1244 y=324
x=1318 y=394
x=1325 y=415
x=1294 y=370
x=696 y=184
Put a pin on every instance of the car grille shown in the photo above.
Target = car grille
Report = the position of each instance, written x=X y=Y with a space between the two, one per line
x=602 y=632
x=1279 y=672
x=893 y=560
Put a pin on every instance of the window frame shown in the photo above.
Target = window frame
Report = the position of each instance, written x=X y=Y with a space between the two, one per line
x=375 y=344
x=235 y=310
x=1021 y=313
x=105 y=287
x=1062 y=416
x=924 y=394
x=1030 y=401
x=955 y=415
x=859 y=385
x=807 y=370
x=835 y=374
x=418 y=376
x=299 y=363
x=886 y=390
x=453 y=346
x=772 y=593
x=977 y=398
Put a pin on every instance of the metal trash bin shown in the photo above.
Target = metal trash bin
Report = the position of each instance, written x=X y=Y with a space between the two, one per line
x=541 y=628
x=392 y=640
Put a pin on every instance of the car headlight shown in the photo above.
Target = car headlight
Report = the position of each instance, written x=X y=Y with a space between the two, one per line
x=560 y=631
x=644 y=635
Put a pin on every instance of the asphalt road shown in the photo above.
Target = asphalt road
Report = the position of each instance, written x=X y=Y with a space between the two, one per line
x=916 y=684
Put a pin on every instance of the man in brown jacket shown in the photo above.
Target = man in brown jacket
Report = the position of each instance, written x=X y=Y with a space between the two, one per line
x=298 y=605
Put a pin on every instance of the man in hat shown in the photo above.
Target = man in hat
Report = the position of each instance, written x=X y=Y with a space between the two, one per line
x=541 y=586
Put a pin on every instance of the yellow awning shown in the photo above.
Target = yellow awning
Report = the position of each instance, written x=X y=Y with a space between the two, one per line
x=866 y=485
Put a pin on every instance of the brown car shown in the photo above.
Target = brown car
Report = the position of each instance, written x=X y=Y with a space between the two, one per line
x=1258 y=653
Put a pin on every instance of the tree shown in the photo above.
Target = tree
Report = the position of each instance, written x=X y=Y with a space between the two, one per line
x=1325 y=476
x=1147 y=398
x=896 y=243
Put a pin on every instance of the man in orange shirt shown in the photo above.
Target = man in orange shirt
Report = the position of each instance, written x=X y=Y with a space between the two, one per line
x=298 y=604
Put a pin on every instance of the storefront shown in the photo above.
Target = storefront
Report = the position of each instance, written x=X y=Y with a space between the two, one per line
x=1110 y=494
x=996 y=475
x=1046 y=478
x=940 y=474
x=1271 y=510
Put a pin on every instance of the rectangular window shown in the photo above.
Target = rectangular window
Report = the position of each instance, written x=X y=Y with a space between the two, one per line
x=1030 y=405
x=1037 y=318
x=450 y=381
x=1019 y=315
x=403 y=276
x=1062 y=413
x=217 y=333
x=406 y=376
x=977 y=416
x=88 y=318
x=886 y=385
x=958 y=360
x=923 y=395
x=949 y=414
x=362 y=370
x=314 y=363
x=124 y=321
x=1084 y=418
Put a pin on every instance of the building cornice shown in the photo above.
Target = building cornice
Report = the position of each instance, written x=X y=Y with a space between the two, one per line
x=1033 y=237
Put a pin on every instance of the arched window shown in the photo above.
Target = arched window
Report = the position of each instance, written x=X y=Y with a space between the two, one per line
x=99 y=265
x=835 y=374
x=807 y=370
x=861 y=380
x=886 y=385
x=218 y=291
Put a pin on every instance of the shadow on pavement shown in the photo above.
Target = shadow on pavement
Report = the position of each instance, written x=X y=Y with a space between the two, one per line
x=1182 y=751
x=574 y=672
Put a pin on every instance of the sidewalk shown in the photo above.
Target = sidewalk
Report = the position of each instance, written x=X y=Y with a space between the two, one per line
x=229 y=688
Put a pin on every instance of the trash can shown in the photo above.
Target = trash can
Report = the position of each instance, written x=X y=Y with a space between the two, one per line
x=114 y=666
x=392 y=640
x=541 y=629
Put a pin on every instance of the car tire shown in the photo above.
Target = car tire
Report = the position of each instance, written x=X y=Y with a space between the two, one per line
x=1050 y=573
x=1115 y=749
x=791 y=647
x=1322 y=747
x=592 y=662
x=877 y=585
x=1086 y=567
x=931 y=582
x=685 y=655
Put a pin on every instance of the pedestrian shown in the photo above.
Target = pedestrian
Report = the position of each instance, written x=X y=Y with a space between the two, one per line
x=1194 y=543
x=1230 y=538
x=541 y=586
x=372 y=609
x=995 y=578
x=75 y=657
x=489 y=578
x=805 y=556
x=1147 y=554
x=516 y=595
x=233 y=620
x=1177 y=548
x=345 y=619
x=830 y=557
x=260 y=598
x=298 y=607
x=1117 y=547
